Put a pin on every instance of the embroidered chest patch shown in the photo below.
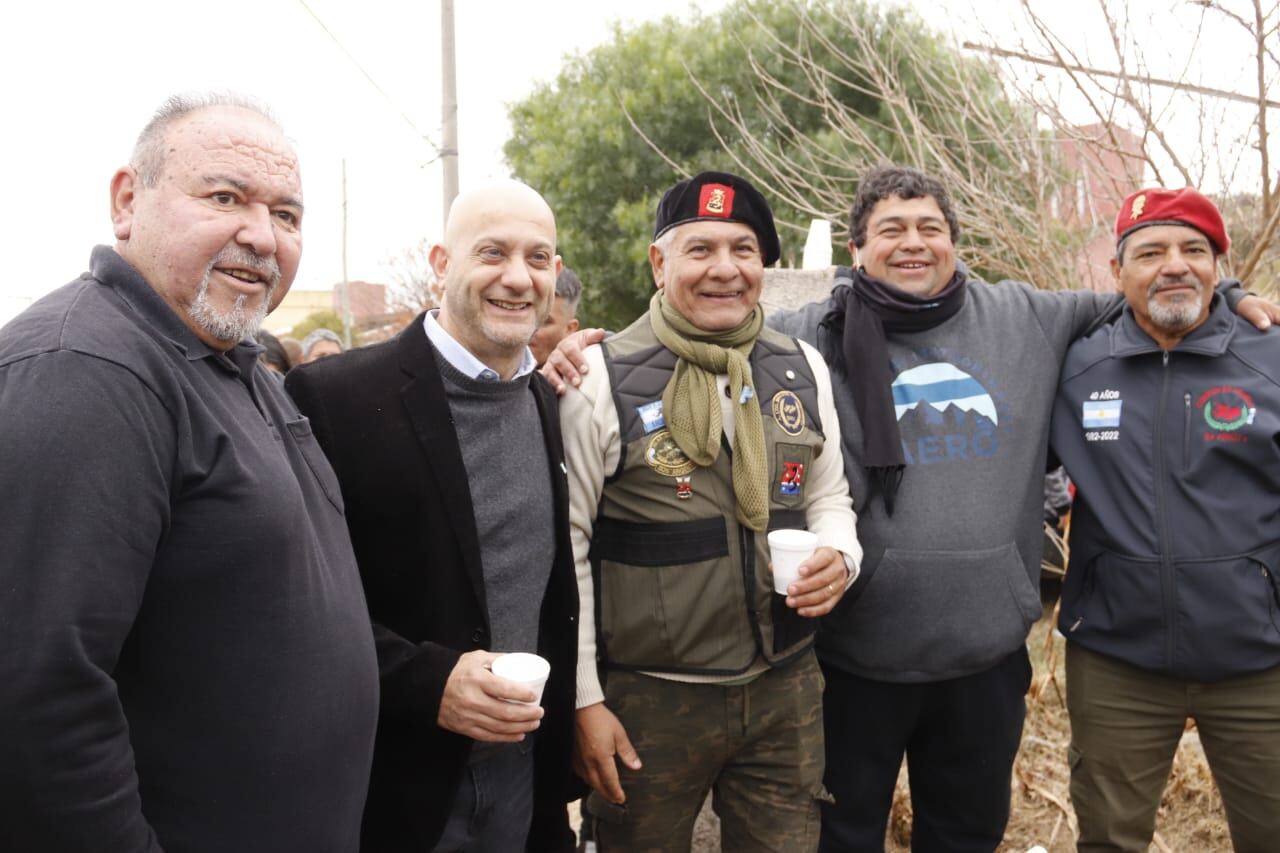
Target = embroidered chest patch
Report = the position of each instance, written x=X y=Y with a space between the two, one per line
x=1226 y=410
x=788 y=411
x=665 y=456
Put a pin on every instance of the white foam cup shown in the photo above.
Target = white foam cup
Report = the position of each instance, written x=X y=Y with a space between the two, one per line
x=524 y=669
x=787 y=550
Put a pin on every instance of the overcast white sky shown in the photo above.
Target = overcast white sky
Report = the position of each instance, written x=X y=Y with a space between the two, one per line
x=80 y=79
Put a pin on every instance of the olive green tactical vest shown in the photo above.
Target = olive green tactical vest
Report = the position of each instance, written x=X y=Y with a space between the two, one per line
x=681 y=586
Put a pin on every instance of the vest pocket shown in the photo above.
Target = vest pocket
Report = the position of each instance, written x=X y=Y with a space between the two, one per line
x=668 y=597
x=789 y=627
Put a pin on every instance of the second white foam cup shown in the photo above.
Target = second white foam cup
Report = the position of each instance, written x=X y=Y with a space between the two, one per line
x=787 y=550
x=524 y=669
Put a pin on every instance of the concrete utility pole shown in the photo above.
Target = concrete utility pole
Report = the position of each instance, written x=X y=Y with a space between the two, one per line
x=449 y=136
x=346 y=282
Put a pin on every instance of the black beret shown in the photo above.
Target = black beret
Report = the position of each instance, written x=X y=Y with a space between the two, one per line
x=718 y=195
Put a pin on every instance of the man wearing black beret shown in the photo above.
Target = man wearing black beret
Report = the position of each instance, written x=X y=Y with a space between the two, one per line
x=697 y=432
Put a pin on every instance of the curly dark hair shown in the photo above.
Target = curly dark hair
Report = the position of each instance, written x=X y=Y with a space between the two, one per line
x=905 y=183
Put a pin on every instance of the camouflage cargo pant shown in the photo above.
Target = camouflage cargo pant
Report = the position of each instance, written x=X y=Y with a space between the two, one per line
x=757 y=746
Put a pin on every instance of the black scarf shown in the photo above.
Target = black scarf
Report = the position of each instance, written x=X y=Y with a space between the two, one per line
x=865 y=309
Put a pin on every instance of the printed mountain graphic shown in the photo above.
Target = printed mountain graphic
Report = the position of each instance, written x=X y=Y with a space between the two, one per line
x=939 y=385
x=944 y=415
x=926 y=420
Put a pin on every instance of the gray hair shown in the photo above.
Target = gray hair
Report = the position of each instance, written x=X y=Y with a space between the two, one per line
x=664 y=241
x=569 y=288
x=316 y=337
x=149 y=151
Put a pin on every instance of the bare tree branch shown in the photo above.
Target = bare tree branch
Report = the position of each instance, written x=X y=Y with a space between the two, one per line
x=1181 y=86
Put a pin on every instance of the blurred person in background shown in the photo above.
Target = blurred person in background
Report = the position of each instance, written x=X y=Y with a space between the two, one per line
x=273 y=354
x=562 y=320
x=319 y=344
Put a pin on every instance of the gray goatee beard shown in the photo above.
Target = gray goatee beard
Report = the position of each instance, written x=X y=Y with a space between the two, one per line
x=1175 y=316
x=236 y=322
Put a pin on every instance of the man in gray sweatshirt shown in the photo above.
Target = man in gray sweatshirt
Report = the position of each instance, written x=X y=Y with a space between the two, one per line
x=944 y=405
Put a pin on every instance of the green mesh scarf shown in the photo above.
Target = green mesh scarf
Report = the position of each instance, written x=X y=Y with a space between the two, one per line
x=691 y=406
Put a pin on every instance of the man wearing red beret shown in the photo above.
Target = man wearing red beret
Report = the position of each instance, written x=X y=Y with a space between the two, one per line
x=1168 y=421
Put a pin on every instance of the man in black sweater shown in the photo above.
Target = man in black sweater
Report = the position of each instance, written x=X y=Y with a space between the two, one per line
x=185 y=649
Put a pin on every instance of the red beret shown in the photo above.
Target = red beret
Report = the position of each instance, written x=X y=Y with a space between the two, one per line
x=1158 y=206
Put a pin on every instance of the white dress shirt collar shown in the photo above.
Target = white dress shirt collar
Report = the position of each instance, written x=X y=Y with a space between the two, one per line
x=462 y=359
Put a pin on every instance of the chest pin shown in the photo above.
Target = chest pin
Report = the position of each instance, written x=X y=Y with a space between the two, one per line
x=684 y=489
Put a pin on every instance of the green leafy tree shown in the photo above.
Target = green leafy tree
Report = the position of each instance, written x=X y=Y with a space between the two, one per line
x=761 y=89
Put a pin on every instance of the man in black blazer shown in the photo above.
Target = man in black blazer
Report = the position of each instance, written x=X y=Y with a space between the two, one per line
x=447 y=446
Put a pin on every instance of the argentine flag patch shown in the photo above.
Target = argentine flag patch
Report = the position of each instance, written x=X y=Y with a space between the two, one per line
x=651 y=416
x=1101 y=413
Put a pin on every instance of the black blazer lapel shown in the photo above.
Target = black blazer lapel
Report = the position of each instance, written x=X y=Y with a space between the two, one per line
x=427 y=407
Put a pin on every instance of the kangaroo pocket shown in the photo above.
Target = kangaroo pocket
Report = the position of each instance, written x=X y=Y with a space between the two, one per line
x=669 y=600
x=1227 y=615
x=940 y=612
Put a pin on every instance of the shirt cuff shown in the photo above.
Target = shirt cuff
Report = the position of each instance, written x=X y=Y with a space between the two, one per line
x=589 y=690
x=852 y=567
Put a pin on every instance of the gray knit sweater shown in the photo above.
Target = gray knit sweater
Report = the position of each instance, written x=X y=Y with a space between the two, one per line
x=504 y=451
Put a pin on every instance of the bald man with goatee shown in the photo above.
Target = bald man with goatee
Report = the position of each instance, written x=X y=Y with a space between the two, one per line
x=447 y=446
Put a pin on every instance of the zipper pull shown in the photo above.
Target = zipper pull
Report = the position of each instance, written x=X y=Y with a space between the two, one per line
x=1165 y=358
x=1075 y=624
